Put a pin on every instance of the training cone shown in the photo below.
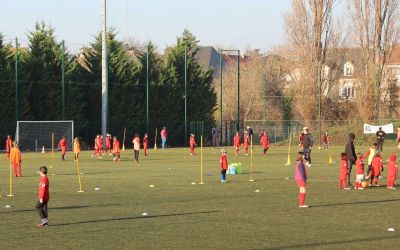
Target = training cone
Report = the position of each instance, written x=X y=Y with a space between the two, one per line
x=123 y=148
x=43 y=150
x=288 y=161
x=330 y=159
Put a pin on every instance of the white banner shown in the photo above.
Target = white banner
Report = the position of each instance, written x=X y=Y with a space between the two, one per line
x=372 y=129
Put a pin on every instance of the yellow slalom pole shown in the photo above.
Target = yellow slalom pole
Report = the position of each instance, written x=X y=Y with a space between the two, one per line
x=330 y=158
x=289 y=162
x=123 y=141
x=11 y=193
x=201 y=159
x=251 y=158
x=79 y=174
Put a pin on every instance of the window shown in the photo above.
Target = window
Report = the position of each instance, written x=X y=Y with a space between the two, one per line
x=348 y=69
x=347 y=91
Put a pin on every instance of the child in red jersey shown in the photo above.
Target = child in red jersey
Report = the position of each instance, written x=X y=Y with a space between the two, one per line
x=392 y=171
x=343 y=172
x=43 y=197
x=301 y=135
x=108 y=144
x=376 y=169
x=265 y=142
x=192 y=144
x=16 y=159
x=301 y=179
x=62 y=144
x=8 y=146
x=116 y=149
x=145 y=144
x=260 y=135
x=223 y=163
x=236 y=143
x=359 y=171
x=246 y=142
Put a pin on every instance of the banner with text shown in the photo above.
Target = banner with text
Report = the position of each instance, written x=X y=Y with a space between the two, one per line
x=372 y=129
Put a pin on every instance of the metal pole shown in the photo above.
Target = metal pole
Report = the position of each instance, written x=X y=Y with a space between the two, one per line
x=220 y=95
x=185 y=95
x=147 y=89
x=63 y=80
x=104 y=75
x=16 y=80
x=238 y=91
x=319 y=108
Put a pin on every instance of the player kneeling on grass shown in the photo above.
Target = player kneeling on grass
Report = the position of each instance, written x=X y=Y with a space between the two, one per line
x=223 y=163
x=359 y=171
x=343 y=172
x=43 y=197
x=16 y=159
x=301 y=178
x=192 y=144
x=377 y=168
x=116 y=149
x=392 y=171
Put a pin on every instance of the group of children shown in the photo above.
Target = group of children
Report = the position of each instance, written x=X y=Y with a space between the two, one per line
x=375 y=168
x=264 y=142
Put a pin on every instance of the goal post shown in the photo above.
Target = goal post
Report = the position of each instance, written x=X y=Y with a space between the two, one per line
x=33 y=135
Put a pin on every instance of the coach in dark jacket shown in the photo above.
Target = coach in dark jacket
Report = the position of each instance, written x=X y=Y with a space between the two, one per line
x=351 y=156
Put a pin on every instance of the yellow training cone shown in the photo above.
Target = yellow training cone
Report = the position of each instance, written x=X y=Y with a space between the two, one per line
x=330 y=159
x=289 y=162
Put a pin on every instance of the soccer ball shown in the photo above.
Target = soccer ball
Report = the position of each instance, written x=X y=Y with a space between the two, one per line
x=364 y=184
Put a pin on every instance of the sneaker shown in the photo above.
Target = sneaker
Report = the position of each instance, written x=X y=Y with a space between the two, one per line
x=303 y=206
x=360 y=188
x=347 y=188
x=377 y=185
x=393 y=188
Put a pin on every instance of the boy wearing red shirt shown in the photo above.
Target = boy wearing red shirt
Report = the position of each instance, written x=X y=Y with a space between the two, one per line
x=359 y=171
x=265 y=142
x=43 y=197
x=15 y=158
x=376 y=169
x=62 y=144
x=145 y=144
x=8 y=146
x=343 y=172
x=223 y=163
x=392 y=171
x=108 y=143
x=116 y=149
x=236 y=143
x=192 y=143
x=246 y=143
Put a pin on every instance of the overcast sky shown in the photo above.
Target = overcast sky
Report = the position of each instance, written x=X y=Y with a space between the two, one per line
x=233 y=23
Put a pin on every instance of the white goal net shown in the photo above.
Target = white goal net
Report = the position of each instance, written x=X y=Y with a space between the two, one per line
x=34 y=135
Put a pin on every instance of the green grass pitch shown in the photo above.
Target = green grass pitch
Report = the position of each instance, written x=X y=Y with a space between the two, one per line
x=186 y=216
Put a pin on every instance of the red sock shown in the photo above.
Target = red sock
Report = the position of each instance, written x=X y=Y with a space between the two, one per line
x=302 y=197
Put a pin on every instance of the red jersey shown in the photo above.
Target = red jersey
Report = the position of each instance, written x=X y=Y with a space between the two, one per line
x=223 y=162
x=163 y=133
x=343 y=169
x=62 y=143
x=101 y=142
x=236 y=140
x=360 y=166
x=265 y=141
x=145 y=141
x=8 y=145
x=392 y=170
x=246 y=141
x=376 y=166
x=108 y=142
x=44 y=189
x=192 y=142
x=116 y=147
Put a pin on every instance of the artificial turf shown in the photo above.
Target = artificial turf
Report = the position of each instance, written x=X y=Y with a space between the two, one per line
x=186 y=216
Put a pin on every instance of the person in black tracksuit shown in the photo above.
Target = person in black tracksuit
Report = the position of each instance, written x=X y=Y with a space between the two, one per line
x=351 y=156
x=307 y=142
x=380 y=138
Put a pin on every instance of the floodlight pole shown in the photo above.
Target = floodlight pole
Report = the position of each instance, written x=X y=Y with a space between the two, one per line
x=147 y=89
x=220 y=95
x=16 y=80
x=63 y=80
x=104 y=74
x=186 y=95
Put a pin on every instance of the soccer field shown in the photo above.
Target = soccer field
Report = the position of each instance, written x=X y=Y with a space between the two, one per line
x=186 y=216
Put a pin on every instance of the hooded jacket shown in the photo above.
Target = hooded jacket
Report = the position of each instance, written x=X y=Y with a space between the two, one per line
x=350 y=150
